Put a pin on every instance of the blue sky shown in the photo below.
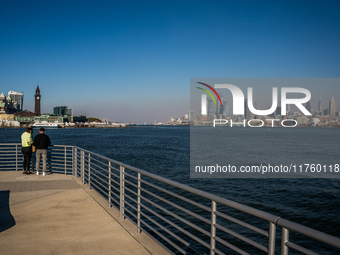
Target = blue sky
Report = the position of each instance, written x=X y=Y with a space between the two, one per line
x=133 y=60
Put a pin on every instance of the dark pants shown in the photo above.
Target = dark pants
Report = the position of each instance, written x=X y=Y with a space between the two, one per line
x=27 y=153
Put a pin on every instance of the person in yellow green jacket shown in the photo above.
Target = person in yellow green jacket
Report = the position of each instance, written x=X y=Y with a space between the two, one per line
x=26 y=143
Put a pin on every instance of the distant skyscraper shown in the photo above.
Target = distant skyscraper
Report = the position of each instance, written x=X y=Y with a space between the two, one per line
x=210 y=111
x=191 y=115
x=70 y=111
x=17 y=97
x=288 y=109
x=219 y=108
x=60 y=110
x=37 y=96
x=225 y=103
x=245 y=108
x=332 y=107
x=320 y=110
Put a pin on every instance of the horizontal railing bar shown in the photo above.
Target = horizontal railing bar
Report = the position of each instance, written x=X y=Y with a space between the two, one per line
x=231 y=246
x=98 y=183
x=112 y=180
x=175 y=216
x=93 y=164
x=132 y=184
x=114 y=175
x=178 y=196
x=131 y=176
x=218 y=252
x=101 y=163
x=97 y=171
x=117 y=202
x=130 y=190
x=131 y=213
x=242 y=223
x=178 y=206
x=163 y=237
x=134 y=208
x=131 y=198
x=243 y=238
x=176 y=226
x=98 y=188
x=312 y=233
x=112 y=193
x=300 y=249
x=115 y=188
x=54 y=167
x=172 y=233
x=100 y=178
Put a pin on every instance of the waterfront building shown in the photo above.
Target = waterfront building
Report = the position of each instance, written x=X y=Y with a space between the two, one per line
x=332 y=107
x=37 y=97
x=24 y=117
x=7 y=106
x=60 y=110
x=18 y=98
x=79 y=119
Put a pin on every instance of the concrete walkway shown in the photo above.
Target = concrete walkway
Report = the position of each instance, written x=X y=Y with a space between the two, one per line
x=56 y=214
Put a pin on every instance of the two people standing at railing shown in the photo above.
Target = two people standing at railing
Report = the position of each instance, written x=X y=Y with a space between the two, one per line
x=40 y=143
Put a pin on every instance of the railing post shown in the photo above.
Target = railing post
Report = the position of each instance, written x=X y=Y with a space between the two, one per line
x=82 y=166
x=213 y=228
x=110 y=184
x=138 y=203
x=16 y=157
x=65 y=161
x=284 y=239
x=272 y=236
x=122 y=191
x=89 y=170
x=74 y=157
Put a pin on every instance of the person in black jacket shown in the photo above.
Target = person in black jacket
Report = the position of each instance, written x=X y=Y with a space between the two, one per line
x=41 y=143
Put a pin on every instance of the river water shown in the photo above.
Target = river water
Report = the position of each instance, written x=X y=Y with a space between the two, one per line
x=165 y=151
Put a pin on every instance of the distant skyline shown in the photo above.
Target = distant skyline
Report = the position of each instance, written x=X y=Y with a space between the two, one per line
x=133 y=60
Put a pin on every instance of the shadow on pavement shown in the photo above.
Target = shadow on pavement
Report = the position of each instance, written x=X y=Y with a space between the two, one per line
x=6 y=218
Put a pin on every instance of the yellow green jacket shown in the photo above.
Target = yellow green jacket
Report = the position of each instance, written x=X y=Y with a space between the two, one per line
x=26 y=139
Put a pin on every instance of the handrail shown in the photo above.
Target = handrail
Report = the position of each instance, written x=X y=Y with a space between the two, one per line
x=149 y=205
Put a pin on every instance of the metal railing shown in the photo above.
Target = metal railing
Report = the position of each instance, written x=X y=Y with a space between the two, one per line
x=181 y=218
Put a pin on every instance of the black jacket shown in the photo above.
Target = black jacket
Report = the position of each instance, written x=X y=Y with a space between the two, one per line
x=41 y=141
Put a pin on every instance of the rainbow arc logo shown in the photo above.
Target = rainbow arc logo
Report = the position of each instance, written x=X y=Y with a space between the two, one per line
x=209 y=93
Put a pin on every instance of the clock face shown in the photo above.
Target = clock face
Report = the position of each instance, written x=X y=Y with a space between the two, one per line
x=38 y=98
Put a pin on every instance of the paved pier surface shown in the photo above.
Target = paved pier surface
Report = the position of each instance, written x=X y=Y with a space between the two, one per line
x=56 y=214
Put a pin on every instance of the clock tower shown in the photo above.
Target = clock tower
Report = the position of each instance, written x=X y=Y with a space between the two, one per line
x=37 y=101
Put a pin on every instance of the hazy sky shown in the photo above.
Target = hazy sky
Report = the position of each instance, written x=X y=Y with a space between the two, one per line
x=133 y=60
